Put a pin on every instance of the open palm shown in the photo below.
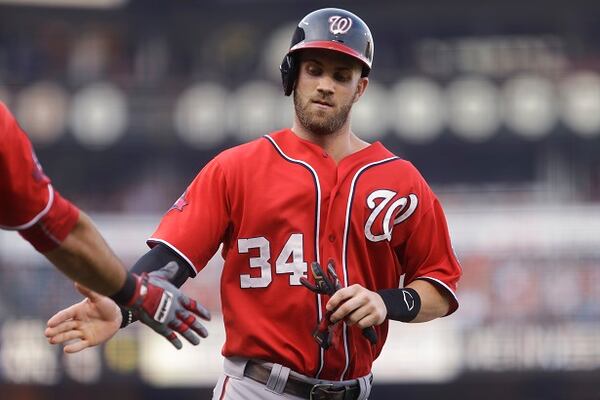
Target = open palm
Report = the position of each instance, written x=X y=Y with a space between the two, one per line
x=86 y=324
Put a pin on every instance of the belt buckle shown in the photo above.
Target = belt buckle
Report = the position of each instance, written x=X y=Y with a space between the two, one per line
x=319 y=387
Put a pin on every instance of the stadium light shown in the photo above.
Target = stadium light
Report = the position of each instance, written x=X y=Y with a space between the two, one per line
x=580 y=106
x=199 y=116
x=370 y=116
x=418 y=112
x=41 y=110
x=473 y=112
x=28 y=358
x=99 y=115
x=530 y=106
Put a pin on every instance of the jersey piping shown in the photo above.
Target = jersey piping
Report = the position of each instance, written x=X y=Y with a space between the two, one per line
x=176 y=250
x=345 y=246
x=315 y=177
x=428 y=278
x=39 y=216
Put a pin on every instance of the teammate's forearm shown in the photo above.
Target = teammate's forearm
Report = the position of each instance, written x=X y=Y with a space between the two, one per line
x=85 y=257
x=434 y=303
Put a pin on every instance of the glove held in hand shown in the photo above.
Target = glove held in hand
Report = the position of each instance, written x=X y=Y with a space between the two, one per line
x=327 y=284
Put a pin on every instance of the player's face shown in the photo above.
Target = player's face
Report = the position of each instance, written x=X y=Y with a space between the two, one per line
x=328 y=84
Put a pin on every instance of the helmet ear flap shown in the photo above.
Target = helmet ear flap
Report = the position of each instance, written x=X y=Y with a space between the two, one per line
x=289 y=73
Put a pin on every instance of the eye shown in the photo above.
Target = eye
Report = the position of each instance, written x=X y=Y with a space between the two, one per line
x=313 y=70
x=343 y=76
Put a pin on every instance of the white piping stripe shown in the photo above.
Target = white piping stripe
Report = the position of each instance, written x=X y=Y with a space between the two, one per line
x=175 y=249
x=37 y=217
x=317 y=229
x=441 y=283
x=344 y=247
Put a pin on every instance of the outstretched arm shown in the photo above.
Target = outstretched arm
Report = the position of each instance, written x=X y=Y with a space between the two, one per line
x=85 y=258
x=97 y=318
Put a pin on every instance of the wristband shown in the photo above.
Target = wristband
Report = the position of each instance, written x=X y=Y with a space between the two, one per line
x=402 y=304
x=126 y=317
x=125 y=294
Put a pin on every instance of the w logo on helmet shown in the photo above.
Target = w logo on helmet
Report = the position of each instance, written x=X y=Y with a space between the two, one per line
x=339 y=25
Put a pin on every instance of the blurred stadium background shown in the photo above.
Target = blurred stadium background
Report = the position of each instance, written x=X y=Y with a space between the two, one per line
x=497 y=103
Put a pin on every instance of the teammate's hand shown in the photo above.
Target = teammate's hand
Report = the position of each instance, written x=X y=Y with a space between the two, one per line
x=357 y=305
x=165 y=309
x=90 y=322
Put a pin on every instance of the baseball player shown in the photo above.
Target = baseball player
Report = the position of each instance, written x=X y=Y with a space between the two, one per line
x=317 y=228
x=67 y=237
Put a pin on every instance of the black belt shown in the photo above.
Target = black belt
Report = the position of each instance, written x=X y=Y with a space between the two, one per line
x=296 y=387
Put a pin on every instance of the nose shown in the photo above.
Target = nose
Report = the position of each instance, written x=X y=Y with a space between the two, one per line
x=326 y=85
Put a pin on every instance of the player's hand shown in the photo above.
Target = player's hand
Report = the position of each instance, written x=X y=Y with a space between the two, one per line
x=357 y=305
x=88 y=323
x=165 y=309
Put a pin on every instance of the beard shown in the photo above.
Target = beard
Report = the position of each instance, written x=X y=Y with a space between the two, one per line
x=319 y=122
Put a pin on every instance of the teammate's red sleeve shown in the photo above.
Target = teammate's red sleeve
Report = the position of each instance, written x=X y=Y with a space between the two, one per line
x=49 y=232
x=25 y=194
x=195 y=225
x=28 y=202
x=426 y=251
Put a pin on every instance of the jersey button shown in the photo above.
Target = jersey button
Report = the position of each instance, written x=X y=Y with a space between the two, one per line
x=331 y=237
x=325 y=155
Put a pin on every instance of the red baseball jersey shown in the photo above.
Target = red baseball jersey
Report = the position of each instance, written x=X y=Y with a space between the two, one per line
x=279 y=203
x=28 y=203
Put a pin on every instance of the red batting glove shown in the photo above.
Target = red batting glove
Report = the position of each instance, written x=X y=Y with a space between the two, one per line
x=165 y=309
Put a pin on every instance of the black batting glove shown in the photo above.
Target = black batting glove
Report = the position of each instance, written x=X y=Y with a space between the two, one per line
x=327 y=284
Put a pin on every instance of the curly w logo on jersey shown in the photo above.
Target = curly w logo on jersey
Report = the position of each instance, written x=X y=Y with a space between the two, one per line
x=387 y=213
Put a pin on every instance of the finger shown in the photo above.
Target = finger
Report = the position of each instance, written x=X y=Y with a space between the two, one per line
x=171 y=337
x=358 y=315
x=339 y=297
x=367 y=321
x=89 y=293
x=60 y=328
x=76 y=346
x=66 y=336
x=185 y=331
x=162 y=330
x=195 y=307
x=63 y=315
x=309 y=285
x=193 y=323
x=346 y=308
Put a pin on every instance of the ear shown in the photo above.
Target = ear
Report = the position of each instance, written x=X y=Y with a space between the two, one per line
x=360 y=88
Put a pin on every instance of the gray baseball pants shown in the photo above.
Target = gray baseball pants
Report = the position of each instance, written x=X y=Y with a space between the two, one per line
x=233 y=385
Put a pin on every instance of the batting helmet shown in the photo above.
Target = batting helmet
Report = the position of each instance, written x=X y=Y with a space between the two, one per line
x=328 y=28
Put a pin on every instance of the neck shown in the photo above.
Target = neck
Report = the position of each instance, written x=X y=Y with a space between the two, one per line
x=338 y=144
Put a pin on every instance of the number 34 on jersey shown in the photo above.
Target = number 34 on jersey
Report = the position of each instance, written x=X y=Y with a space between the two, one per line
x=290 y=261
